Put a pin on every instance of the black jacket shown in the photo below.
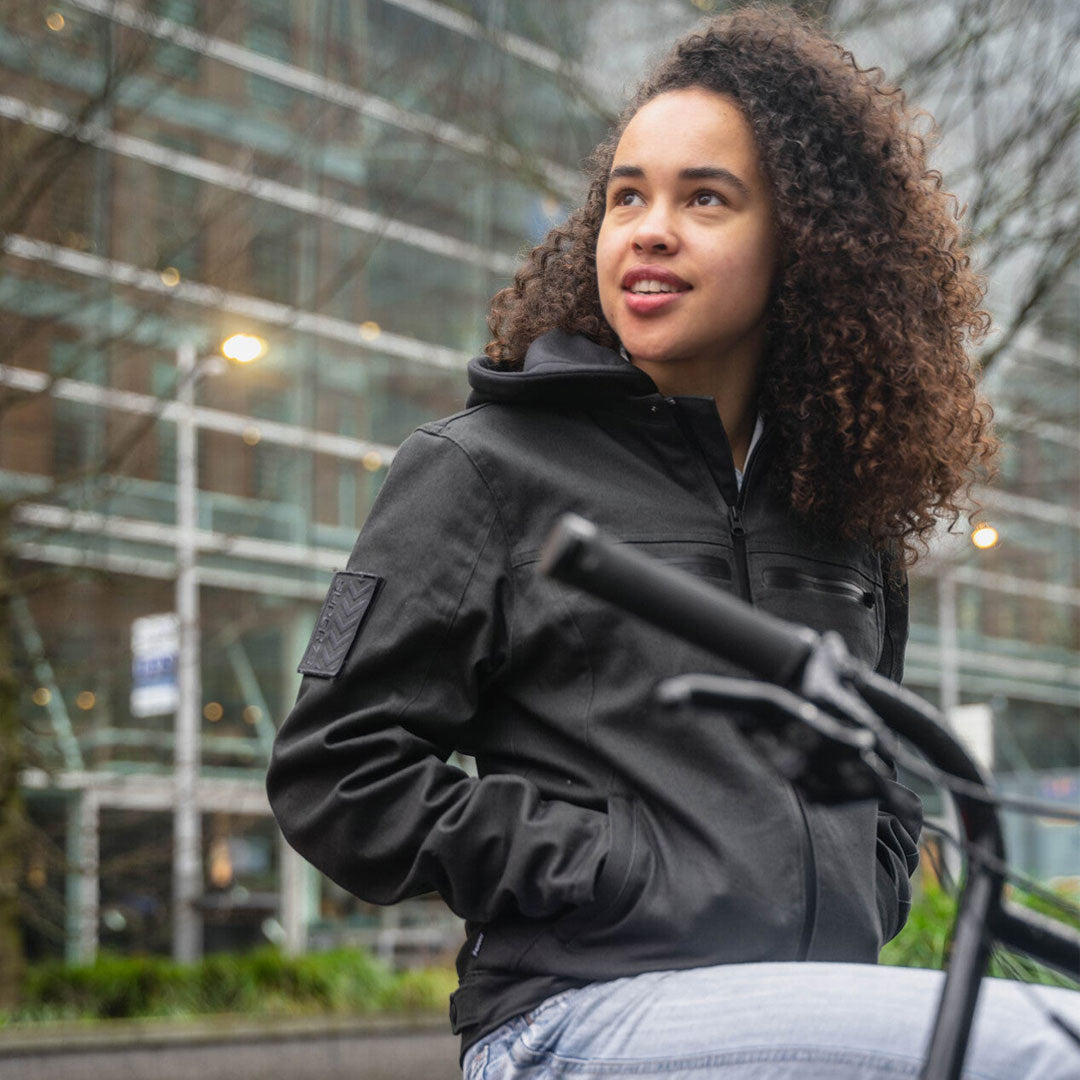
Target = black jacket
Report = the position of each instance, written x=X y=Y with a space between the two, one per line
x=601 y=840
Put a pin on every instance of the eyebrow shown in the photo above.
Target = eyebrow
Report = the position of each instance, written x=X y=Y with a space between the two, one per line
x=698 y=172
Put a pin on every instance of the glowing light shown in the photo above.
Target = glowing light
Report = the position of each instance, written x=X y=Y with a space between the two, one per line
x=221 y=867
x=369 y=330
x=213 y=711
x=984 y=535
x=243 y=348
x=55 y=21
x=251 y=435
x=170 y=277
x=252 y=714
x=372 y=461
x=36 y=874
x=42 y=696
x=85 y=699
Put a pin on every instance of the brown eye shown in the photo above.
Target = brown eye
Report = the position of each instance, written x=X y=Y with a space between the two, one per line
x=709 y=198
x=627 y=197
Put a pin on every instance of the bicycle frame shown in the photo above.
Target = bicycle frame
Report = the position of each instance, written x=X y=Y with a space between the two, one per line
x=845 y=705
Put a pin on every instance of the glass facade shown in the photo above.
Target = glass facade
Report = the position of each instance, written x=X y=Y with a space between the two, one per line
x=351 y=181
x=1000 y=627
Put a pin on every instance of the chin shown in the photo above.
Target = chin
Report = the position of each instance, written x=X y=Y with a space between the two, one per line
x=645 y=353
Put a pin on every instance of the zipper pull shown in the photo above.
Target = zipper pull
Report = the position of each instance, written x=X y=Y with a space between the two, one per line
x=737 y=527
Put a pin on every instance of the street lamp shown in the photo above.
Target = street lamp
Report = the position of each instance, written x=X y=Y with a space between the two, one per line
x=187 y=845
x=243 y=348
x=984 y=535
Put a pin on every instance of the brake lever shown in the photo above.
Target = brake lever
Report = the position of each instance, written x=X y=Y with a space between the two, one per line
x=825 y=740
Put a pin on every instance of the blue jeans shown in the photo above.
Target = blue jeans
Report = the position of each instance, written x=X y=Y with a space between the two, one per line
x=775 y=1022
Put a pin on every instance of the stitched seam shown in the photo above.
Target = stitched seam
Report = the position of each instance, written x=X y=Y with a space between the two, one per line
x=572 y=943
x=847 y=566
x=500 y=518
x=435 y=653
x=900 y=1065
x=528 y=557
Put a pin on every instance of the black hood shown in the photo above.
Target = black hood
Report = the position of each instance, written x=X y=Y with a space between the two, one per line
x=558 y=366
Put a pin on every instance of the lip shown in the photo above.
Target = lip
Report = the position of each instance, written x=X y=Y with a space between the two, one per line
x=647 y=303
x=653 y=273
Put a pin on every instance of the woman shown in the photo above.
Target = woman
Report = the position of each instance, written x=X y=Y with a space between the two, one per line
x=746 y=354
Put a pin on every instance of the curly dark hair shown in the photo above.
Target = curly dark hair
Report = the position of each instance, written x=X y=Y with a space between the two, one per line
x=867 y=375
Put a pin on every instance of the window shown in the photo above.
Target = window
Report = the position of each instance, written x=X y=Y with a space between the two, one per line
x=72 y=201
x=78 y=430
x=270 y=34
x=176 y=215
x=272 y=253
x=172 y=60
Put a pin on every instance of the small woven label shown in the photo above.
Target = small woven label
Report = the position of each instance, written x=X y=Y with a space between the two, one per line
x=347 y=602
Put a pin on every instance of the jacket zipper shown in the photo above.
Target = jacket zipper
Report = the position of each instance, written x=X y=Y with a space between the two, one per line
x=806 y=839
x=738 y=530
x=738 y=544
x=735 y=523
x=742 y=574
x=782 y=577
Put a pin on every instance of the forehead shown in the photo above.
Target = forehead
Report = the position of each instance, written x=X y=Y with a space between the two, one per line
x=691 y=127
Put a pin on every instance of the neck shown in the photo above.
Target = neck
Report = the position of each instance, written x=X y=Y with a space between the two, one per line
x=731 y=383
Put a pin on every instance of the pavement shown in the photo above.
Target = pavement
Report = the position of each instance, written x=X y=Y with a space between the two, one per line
x=224 y=1048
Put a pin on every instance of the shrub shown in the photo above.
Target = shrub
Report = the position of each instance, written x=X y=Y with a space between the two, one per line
x=924 y=941
x=260 y=982
x=416 y=991
x=266 y=982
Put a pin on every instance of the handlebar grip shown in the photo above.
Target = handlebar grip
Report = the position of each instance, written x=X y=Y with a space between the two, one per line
x=575 y=552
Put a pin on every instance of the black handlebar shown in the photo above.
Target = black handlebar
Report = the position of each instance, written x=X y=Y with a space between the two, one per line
x=769 y=647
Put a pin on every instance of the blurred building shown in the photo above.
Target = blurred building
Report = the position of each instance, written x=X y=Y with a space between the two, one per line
x=995 y=637
x=347 y=181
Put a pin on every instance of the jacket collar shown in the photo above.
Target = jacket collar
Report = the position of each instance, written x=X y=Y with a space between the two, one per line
x=559 y=367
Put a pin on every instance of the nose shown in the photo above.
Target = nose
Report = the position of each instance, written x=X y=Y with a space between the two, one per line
x=655 y=231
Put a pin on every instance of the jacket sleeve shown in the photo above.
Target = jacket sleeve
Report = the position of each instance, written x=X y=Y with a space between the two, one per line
x=358 y=778
x=897 y=834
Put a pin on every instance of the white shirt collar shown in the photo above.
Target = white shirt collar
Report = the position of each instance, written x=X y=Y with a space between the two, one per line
x=759 y=427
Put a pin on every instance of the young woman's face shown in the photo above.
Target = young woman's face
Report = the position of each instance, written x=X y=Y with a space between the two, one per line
x=686 y=252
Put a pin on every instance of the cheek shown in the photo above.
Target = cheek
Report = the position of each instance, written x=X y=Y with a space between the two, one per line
x=752 y=263
x=765 y=255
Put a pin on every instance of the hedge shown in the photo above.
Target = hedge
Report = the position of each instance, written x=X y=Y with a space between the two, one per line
x=350 y=981
x=262 y=982
x=924 y=941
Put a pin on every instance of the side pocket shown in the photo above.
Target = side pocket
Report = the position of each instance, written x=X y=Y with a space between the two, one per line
x=615 y=875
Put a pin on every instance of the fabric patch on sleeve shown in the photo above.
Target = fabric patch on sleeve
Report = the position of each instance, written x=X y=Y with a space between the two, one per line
x=347 y=602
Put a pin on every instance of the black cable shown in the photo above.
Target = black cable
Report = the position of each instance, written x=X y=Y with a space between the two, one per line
x=1015 y=877
x=1006 y=960
x=935 y=858
x=931 y=773
x=1004 y=957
